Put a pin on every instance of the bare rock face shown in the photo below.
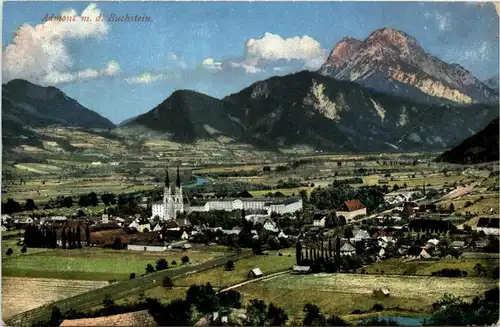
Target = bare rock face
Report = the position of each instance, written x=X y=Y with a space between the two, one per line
x=391 y=61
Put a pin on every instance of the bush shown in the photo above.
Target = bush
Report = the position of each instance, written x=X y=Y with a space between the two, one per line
x=229 y=265
x=149 y=268
x=9 y=252
x=185 y=259
x=132 y=276
x=161 y=264
x=167 y=282
x=23 y=249
x=174 y=262
x=378 y=307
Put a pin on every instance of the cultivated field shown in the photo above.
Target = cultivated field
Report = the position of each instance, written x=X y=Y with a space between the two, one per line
x=93 y=263
x=21 y=294
x=343 y=293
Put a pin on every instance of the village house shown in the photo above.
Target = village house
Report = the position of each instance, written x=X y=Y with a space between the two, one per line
x=153 y=246
x=413 y=252
x=255 y=273
x=381 y=292
x=457 y=245
x=301 y=270
x=424 y=254
x=347 y=249
x=282 y=235
x=434 y=226
x=431 y=244
x=351 y=209
x=174 y=235
x=319 y=220
x=385 y=241
x=140 y=225
x=361 y=235
x=489 y=226
x=271 y=226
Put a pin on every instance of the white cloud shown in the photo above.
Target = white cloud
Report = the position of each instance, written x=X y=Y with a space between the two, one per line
x=147 y=78
x=55 y=77
x=272 y=48
x=211 y=64
x=443 y=21
x=40 y=54
x=249 y=68
x=178 y=59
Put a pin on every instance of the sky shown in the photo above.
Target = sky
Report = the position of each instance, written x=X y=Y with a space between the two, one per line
x=123 y=69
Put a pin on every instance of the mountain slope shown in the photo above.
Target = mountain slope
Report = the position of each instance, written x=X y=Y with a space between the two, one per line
x=481 y=147
x=188 y=116
x=393 y=62
x=37 y=106
x=493 y=82
x=308 y=108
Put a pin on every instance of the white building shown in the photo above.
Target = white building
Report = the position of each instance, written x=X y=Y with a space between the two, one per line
x=146 y=247
x=173 y=200
x=173 y=203
x=319 y=220
x=276 y=205
x=361 y=235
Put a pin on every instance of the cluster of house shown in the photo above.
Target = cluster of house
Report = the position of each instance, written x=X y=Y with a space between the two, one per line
x=490 y=226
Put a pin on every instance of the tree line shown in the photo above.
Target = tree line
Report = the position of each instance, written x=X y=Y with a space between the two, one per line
x=333 y=196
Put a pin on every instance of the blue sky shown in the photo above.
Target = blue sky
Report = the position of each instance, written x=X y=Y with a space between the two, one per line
x=122 y=69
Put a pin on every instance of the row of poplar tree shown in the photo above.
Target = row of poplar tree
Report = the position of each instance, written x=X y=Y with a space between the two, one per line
x=47 y=236
x=319 y=258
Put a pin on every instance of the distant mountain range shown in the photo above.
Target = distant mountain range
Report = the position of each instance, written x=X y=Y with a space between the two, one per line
x=26 y=105
x=381 y=94
x=393 y=62
x=307 y=108
x=37 y=106
x=479 y=148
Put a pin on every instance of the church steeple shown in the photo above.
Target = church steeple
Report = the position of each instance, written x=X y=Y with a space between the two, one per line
x=178 y=182
x=167 y=179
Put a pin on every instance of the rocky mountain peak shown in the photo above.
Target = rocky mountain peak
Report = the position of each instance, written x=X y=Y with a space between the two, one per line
x=391 y=61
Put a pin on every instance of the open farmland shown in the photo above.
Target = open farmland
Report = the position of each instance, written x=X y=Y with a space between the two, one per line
x=53 y=188
x=16 y=249
x=21 y=294
x=92 y=263
x=426 y=267
x=342 y=293
x=219 y=277
x=478 y=204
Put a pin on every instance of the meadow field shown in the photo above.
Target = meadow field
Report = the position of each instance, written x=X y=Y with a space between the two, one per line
x=398 y=266
x=93 y=263
x=343 y=293
x=221 y=278
x=20 y=294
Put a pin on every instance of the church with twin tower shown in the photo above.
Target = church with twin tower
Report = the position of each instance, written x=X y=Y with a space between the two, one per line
x=173 y=200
